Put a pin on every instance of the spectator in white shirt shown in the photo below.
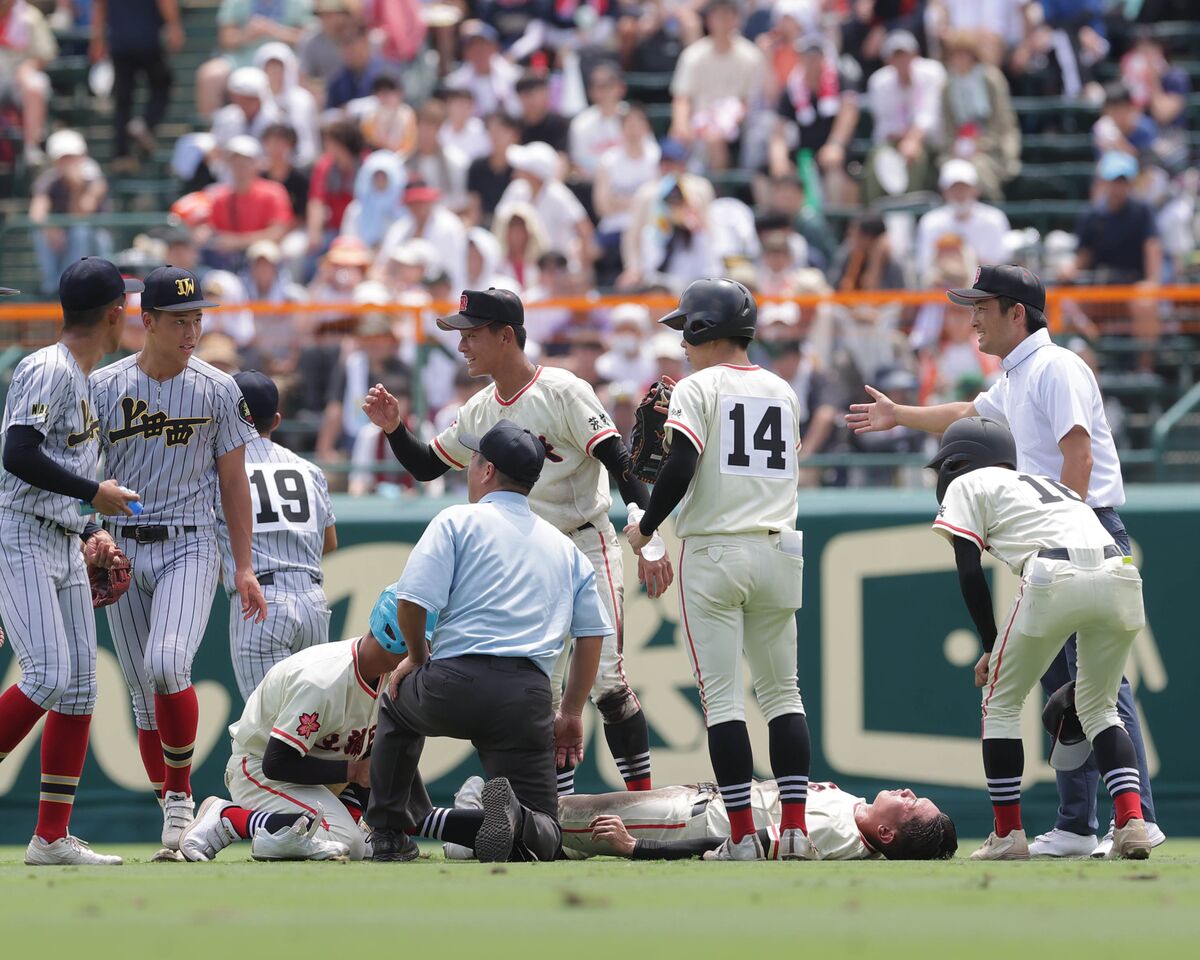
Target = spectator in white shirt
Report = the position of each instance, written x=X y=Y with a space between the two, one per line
x=491 y=79
x=536 y=181
x=462 y=129
x=628 y=365
x=621 y=172
x=251 y=108
x=598 y=128
x=905 y=101
x=427 y=218
x=296 y=106
x=981 y=227
x=442 y=166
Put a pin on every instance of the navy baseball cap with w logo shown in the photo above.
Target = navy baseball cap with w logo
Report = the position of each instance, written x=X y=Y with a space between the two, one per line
x=478 y=308
x=1007 y=280
x=173 y=290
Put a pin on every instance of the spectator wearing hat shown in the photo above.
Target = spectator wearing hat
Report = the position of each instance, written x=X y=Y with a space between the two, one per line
x=136 y=47
x=489 y=176
x=331 y=189
x=242 y=27
x=784 y=256
x=537 y=181
x=339 y=272
x=406 y=268
x=219 y=350
x=248 y=209
x=225 y=289
x=361 y=66
x=491 y=79
x=716 y=83
x=279 y=164
x=427 y=218
x=628 y=364
x=73 y=185
x=462 y=129
x=677 y=244
x=251 y=108
x=278 y=334
x=981 y=227
x=319 y=46
x=27 y=45
x=1124 y=125
x=442 y=166
x=598 y=128
x=817 y=112
x=539 y=123
x=518 y=229
x=294 y=105
x=622 y=171
x=978 y=119
x=905 y=102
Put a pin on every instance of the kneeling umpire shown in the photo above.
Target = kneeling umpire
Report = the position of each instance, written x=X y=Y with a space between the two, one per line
x=508 y=588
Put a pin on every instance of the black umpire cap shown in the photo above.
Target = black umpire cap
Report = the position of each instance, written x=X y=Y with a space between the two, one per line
x=513 y=450
x=478 y=308
x=174 y=290
x=92 y=282
x=1007 y=280
x=261 y=396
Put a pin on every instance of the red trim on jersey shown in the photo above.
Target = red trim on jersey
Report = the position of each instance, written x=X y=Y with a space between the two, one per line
x=1000 y=657
x=687 y=631
x=287 y=736
x=606 y=432
x=517 y=396
x=734 y=366
x=441 y=452
x=966 y=533
x=612 y=589
x=358 y=674
x=280 y=793
x=632 y=826
x=688 y=430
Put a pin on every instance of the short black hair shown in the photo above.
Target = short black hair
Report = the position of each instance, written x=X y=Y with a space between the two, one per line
x=933 y=838
x=505 y=120
x=743 y=342
x=518 y=332
x=532 y=81
x=284 y=130
x=85 y=319
x=508 y=483
x=1117 y=92
x=347 y=133
x=1034 y=319
x=385 y=81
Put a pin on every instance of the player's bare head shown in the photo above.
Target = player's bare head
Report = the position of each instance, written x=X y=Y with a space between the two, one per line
x=903 y=826
x=92 y=293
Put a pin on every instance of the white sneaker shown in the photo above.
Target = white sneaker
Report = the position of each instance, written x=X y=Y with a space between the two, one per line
x=1062 y=843
x=468 y=797
x=208 y=834
x=1012 y=847
x=297 y=842
x=1131 y=842
x=748 y=848
x=795 y=845
x=66 y=851
x=178 y=811
x=1104 y=848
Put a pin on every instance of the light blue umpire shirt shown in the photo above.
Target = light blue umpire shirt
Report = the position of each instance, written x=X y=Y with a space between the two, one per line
x=503 y=583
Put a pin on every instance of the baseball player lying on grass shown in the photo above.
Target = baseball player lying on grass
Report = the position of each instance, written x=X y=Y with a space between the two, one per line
x=300 y=753
x=678 y=823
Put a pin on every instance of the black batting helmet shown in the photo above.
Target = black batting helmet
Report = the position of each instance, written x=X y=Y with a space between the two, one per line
x=714 y=308
x=1071 y=748
x=969 y=444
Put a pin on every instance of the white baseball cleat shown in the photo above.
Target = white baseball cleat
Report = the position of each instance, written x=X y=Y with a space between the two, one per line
x=208 y=834
x=469 y=797
x=1062 y=843
x=297 y=842
x=178 y=811
x=795 y=845
x=1104 y=848
x=1131 y=842
x=1012 y=847
x=66 y=851
x=748 y=848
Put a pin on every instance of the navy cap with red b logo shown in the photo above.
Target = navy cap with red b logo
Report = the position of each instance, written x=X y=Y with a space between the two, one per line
x=478 y=308
x=1007 y=280
x=173 y=290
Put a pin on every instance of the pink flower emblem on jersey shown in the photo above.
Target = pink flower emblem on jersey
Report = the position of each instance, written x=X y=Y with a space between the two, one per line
x=309 y=724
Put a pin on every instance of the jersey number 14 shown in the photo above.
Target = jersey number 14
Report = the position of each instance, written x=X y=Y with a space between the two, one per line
x=757 y=437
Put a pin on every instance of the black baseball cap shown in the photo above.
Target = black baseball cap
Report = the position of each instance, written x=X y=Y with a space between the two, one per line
x=10 y=292
x=513 y=450
x=173 y=290
x=478 y=308
x=92 y=282
x=1007 y=280
x=261 y=396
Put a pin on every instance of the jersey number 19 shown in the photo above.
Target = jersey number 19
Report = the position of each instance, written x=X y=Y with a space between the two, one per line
x=756 y=437
x=282 y=497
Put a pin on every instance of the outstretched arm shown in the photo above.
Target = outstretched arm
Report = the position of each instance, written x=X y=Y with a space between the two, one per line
x=883 y=414
x=416 y=457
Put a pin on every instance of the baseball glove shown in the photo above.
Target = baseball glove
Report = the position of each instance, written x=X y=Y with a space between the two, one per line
x=110 y=583
x=649 y=431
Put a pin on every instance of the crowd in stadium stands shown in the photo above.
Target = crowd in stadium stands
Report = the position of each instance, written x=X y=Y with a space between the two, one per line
x=399 y=151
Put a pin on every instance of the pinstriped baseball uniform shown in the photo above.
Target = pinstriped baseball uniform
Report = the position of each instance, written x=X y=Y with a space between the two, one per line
x=45 y=599
x=572 y=492
x=291 y=511
x=163 y=439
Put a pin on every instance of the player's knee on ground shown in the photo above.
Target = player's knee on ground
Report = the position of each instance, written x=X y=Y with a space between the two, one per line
x=617 y=705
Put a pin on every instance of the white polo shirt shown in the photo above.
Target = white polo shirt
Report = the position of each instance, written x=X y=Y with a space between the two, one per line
x=1046 y=390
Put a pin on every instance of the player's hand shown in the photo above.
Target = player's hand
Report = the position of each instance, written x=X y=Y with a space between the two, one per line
x=407 y=665
x=637 y=540
x=382 y=408
x=982 y=665
x=101 y=550
x=664 y=397
x=175 y=38
x=871 y=417
x=359 y=771
x=110 y=500
x=568 y=739
x=657 y=575
x=254 y=604
x=609 y=831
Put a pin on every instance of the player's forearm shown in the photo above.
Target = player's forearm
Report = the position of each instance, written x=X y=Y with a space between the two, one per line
x=674 y=478
x=1076 y=449
x=615 y=456
x=286 y=764
x=416 y=457
x=411 y=618
x=975 y=593
x=25 y=460
x=235 y=501
x=170 y=11
x=934 y=419
x=646 y=849
x=585 y=661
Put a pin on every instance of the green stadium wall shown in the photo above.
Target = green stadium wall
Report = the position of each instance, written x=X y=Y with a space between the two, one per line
x=886 y=650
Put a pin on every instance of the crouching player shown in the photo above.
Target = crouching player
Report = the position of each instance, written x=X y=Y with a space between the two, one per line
x=304 y=735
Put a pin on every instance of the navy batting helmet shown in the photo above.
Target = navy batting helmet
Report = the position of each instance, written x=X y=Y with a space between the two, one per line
x=969 y=444
x=1071 y=748
x=714 y=308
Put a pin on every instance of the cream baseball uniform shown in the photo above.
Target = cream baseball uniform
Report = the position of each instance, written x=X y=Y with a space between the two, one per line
x=739 y=564
x=697 y=812
x=318 y=703
x=1094 y=592
x=572 y=493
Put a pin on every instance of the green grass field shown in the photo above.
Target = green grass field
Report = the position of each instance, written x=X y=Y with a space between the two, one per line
x=605 y=908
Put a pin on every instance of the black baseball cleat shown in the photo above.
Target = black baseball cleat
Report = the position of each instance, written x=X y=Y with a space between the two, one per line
x=392 y=846
x=502 y=817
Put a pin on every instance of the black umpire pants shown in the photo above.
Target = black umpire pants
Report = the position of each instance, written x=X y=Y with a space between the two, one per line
x=126 y=67
x=503 y=706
